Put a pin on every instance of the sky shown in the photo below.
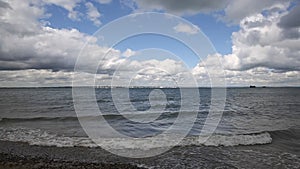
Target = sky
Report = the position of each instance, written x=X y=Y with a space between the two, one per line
x=57 y=42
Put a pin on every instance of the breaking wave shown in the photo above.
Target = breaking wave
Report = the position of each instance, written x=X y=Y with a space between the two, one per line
x=43 y=138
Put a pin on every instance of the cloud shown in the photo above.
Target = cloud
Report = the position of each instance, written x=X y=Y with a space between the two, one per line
x=262 y=53
x=68 y=5
x=152 y=72
x=45 y=77
x=93 y=14
x=55 y=49
x=260 y=76
x=237 y=10
x=128 y=53
x=187 y=7
x=233 y=11
x=32 y=78
x=185 y=28
x=28 y=44
x=20 y=18
x=4 y=5
x=292 y=19
x=73 y=13
x=104 y=1
x=265 y=51
x=32 y=53
x=262 y=43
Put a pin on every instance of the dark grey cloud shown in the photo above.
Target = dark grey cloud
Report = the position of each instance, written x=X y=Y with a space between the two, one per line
x=26 y=43
x=35 y=64
x=275 y=66
x=4 y=5
x=292 y=19
x=291 y=33
x=237 y=10
x=234 y=10
x=182 y=7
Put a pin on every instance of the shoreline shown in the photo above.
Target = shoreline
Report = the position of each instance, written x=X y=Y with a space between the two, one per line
x=18 y=155
x=9 y=161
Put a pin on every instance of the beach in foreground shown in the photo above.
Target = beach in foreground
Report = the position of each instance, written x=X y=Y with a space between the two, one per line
x=16 y=155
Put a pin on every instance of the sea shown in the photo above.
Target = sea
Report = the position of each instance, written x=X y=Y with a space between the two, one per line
x=251 y=117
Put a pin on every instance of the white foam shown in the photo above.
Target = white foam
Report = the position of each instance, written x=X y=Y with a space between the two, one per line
x=42 y=138
x=234 y=140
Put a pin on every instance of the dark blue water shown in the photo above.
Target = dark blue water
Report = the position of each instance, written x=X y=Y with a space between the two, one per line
x=46 y=116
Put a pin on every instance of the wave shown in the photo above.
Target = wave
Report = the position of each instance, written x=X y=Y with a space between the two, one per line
x=38 y=119
x=68 y=118
x=43 y=138
x=75 y=118
x=287 y=140
x=290 y=133
x=241 y=139
x=104 y=100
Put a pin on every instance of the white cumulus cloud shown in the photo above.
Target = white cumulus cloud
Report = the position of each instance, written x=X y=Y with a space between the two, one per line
x=104 y=1
x=185 y=28
x=93 y=14
x=68 y=5
x=129 y=53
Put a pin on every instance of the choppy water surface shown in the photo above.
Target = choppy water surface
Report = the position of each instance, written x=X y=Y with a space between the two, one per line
x=252 y=116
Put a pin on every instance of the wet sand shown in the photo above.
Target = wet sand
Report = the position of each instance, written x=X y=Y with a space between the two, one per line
x=23 y=156
x=10 y=161
x=15 y=155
